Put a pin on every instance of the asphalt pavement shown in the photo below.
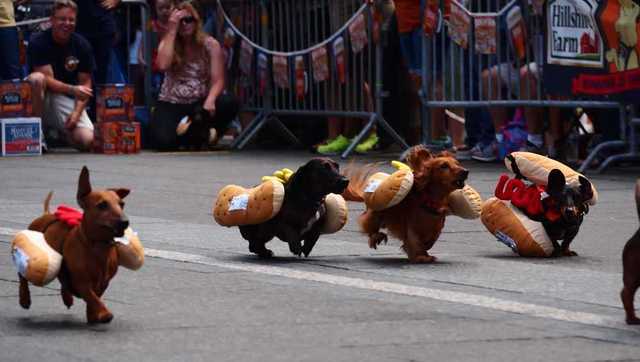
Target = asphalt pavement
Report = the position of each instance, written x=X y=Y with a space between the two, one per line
x=201 y=296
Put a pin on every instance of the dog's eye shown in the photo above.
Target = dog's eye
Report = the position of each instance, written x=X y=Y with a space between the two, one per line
x=122 y=204
x=444 y=166
x=102 y=205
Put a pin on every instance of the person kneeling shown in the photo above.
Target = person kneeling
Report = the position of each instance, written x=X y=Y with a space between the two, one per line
x=61 y=62
x=193 y=85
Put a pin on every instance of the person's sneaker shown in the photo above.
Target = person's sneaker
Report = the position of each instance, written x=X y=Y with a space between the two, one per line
x=484 y=153
x=43 y=146
x=463 y=153
x=442 y=143
x=366 y=145
x=334 y=146
x=530 y=147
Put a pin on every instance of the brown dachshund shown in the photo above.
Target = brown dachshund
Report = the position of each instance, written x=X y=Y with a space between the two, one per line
x=418 y=219
x=631 y=269
x=88 y=251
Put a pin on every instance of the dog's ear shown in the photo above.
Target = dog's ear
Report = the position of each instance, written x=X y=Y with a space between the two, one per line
x=417 y=155
x=556 y=183
x=121 y=192
x=586 y=192
x=421 y=176
x=84 y=186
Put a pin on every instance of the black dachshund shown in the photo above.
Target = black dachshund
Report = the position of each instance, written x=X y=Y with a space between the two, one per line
x=303 y=213
x=204 y=129
x=571 y=204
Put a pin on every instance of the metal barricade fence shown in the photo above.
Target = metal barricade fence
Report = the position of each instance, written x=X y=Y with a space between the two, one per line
x=471 y=59
x=305 y=58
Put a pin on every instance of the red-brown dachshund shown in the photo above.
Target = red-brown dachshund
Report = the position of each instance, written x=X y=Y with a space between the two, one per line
x=418 y=219
x=88 y=251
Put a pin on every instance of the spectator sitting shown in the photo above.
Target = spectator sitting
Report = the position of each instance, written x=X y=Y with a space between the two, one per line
x=194 y=76
x=61 y=62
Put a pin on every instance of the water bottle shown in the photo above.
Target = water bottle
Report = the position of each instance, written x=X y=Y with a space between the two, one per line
x=572 y=147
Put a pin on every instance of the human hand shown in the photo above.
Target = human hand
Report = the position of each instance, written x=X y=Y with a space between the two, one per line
x=175 y=17
x=109 y=4
x=210 y=105
x=72 y=122
x=82 y=92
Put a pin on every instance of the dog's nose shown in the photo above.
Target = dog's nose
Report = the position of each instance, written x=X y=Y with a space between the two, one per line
x=123 y=224
x=464 y=174
x=343 y=183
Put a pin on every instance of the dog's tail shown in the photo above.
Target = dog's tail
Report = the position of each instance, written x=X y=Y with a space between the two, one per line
x=47 y=200
x=638 y=197
x=358 y=176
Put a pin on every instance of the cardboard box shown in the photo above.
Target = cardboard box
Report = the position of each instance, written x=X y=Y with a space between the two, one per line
x=117 y=137
x=15 y=99
x=106 y=137
x=21 y=136
x=129 y=137
x=115 y=103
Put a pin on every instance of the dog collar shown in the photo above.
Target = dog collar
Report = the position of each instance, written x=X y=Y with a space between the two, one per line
x=431 y=206
x=322 y=210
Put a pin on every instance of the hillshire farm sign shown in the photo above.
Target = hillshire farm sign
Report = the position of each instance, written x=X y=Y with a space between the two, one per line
x=574 y=38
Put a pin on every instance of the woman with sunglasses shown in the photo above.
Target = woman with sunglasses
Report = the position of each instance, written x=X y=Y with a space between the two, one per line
x=194 y=81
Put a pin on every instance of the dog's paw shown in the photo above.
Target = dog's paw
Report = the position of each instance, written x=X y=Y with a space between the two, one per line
x=25 y=302
x=295 y=249
x=102 y=317
x=376 y=239
x=306 y=250
x=67 y=298
x=633 y=321
x=260 y=250
x=424 y=259
x=569 y=253
x=265 y=254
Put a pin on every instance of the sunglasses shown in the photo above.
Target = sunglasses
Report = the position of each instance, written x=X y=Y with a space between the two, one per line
x=188 y=20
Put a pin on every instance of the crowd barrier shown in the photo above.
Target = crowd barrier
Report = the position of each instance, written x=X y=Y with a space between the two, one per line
x=305 y=58
x=513 y=39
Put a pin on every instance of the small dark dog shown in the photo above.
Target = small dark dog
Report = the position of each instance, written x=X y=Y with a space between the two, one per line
x=631 y=269
x=571 y=204
x=302 y=213
x=203 y=129
x=199 y=133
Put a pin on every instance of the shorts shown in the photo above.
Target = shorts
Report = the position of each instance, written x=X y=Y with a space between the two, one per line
x=510 y=75
x=57 y=109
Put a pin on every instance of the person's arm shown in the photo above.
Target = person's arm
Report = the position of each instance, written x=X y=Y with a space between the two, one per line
x=217 y=76
x=84 y=80
x=53 y=85
x=109 y=4
x=166 y=48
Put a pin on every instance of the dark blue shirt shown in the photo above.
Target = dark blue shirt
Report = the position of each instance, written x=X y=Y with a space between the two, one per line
x=66 y=60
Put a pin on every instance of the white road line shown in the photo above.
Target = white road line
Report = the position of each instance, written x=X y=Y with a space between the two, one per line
x=414 y=291
x=475 y=300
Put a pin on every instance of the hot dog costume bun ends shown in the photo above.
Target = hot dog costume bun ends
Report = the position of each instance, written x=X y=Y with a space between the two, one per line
x=236 y=205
